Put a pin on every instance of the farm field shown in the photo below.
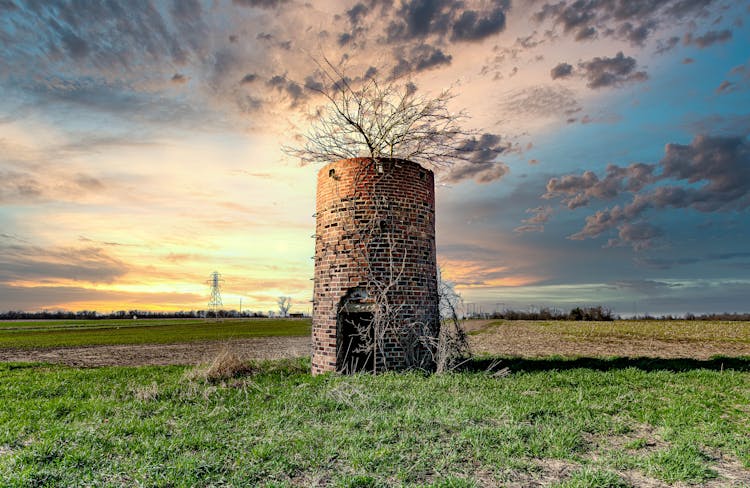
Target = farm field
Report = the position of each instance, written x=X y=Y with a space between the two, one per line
x=621 y=338
x=93 y=343
x=54 y=333
x=549 y=422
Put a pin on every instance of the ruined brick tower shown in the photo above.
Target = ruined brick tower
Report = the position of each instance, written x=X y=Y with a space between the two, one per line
x=375 y=299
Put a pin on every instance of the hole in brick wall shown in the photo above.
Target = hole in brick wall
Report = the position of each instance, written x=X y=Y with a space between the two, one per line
x=422 y=175
x=354 y=333
x=354 y=341
x=331 y=173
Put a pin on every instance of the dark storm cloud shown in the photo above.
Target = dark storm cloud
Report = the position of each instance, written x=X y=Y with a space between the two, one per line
x=357 y=12
x=427 y=57
x=29 y=263
x=603 y=72
x=633 y=21
x=179 y=78
x=248 y=78
x=562 y=70
x=666 y=45
x=420 y=57
x=708 y=39
x=636 y=34
x=711 y=174
x=472 y=26
x=266 y=4
x=478 y=160
x=418 y=19
x=292 y=89
x=313 y=84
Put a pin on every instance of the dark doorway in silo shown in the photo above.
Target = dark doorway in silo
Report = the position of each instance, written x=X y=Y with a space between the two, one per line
x=355 y=342
x=355 y=333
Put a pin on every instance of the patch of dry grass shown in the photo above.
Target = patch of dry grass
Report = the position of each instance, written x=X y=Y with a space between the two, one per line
x=226 y=365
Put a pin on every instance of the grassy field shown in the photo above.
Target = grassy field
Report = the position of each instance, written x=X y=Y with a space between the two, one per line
x=565 y=423
x=101 y=332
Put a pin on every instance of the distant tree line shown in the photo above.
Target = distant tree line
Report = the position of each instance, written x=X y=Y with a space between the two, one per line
x=598 y=312
x=601 y=313
x=690 y=316
x=129 y=314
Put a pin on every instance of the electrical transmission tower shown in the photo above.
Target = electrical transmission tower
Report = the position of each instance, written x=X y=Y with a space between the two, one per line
x=214 y=304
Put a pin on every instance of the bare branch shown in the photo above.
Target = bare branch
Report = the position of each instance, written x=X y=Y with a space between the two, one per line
x=370 y=118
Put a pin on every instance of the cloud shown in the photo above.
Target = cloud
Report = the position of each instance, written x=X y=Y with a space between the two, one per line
x=64 y=297
x=292 y=89
x=143 y=33
x=711 y=174
x=265 y=4
x=536 y=222
x=666 y=45
x=725 y=87
x=479 y=157
x=632 y=21
x=603 y=72
x=472 y=26
x=418 y=58
x=248 y=78
x=576 y=191
x=562 y=70
x=639 y=236
x=708 y=39
x=540 y=101
x=179 y=79
x=33 y=263
x=419 y=19
x=19 y=187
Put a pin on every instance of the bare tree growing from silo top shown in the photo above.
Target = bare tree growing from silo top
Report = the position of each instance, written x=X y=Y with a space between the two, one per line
x=385 y=121
x=366 y=117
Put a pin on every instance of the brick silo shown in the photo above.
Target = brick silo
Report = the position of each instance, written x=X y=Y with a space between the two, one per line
x=375 y=299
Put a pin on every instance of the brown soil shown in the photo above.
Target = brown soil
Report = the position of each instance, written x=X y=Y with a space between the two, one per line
x=162 y=354
x=525 y=340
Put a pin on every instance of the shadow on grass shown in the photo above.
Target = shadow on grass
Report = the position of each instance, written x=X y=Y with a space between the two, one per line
x=517 y=364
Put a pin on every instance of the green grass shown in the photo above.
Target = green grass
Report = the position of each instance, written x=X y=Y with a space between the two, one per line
x=279 y=426
x=155 y=331
x=666 y=330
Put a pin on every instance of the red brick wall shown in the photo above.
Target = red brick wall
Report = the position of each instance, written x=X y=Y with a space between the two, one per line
x=371 y=223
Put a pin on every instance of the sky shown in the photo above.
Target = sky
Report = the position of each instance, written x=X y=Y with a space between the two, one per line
x=140 y=148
